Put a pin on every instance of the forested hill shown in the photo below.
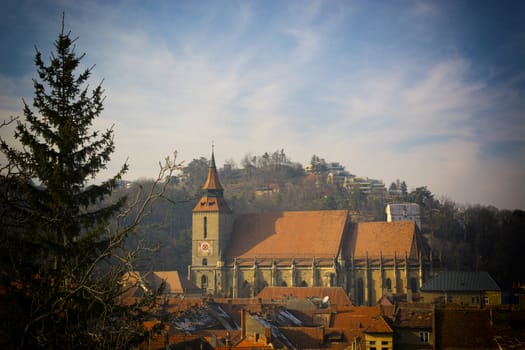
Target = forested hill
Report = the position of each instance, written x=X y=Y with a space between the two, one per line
x=464 y=238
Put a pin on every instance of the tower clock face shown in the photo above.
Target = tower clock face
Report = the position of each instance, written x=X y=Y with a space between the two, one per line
x=205 y=248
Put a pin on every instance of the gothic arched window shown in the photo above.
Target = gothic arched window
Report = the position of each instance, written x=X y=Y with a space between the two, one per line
x=204 y=262
x=360 y=292
x=388 y=284
x=413 y=285
x=204 y=282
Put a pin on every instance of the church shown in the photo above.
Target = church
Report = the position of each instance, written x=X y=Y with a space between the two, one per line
x=238 y=256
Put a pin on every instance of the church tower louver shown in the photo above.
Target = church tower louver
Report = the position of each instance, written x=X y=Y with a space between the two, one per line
x=211 y=231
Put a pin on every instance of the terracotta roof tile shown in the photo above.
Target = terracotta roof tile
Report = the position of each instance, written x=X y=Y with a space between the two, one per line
x=288 y=234
x=414 y=315
x=176 y=284
x=307 y=337
x=212 y=192
x=250 y=344
x=153 y=280
x=211 y=204
x=212 y=180
x=383 y=238
x=379 y=325
x=464 y=328
x=336 y=295
x=359 y=317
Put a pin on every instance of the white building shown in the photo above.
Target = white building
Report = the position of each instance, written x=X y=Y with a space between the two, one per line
x=404 y=212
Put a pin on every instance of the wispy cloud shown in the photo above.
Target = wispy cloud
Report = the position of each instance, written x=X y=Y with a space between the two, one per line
x=334 y=79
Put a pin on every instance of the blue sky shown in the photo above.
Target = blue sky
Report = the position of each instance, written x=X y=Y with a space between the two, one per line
x=430 y=92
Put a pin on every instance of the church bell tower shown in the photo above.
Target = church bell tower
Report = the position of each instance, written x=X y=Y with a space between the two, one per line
x=211 y=230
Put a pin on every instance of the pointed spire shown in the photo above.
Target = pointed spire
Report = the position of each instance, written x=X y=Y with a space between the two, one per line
x=212 y=160
x=212 y=191
x=212 y=186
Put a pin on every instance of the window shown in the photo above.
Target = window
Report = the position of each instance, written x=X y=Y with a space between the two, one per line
x=413 y=285
x=246 y=289
x=423 y=337
x=204 y=282
x=332 y=280
x=303 y=284
x=360 y=292
x=388 y=283
x=205 y=226
x=204 y=262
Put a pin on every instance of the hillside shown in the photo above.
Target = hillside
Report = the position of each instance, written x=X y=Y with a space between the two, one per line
x=462 y=238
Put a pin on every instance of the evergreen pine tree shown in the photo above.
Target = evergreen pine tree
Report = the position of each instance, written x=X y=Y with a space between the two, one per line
x=61 y=260
x=404 y=189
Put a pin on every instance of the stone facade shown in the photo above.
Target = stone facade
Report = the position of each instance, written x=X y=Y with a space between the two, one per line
x=238 y=258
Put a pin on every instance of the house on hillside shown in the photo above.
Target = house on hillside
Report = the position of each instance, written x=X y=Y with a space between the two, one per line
x=462 y=287
x=404 y=212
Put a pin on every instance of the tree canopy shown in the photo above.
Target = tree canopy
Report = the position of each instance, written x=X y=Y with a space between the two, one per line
x=62 y=257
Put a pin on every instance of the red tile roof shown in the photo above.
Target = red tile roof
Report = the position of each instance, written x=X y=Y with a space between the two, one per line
x=300 y=234
x=465 y=328
x=336 y=295
x=136 y=283
x=211 y=204
x=174 y=283
x=307 y=337
x=383 y=238
x=212 y=197
x=359 y=317
x=212 y=181
x=414 y=315
x=379 y=325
